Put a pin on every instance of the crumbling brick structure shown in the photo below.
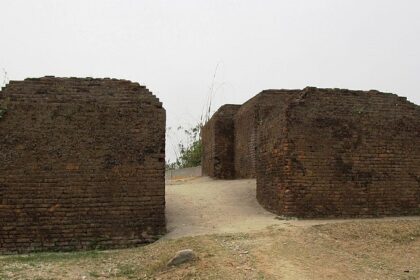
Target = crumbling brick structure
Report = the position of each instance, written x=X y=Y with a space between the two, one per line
x=82 y=164
x=247 y=121
x=218 y=145
x=330 y=152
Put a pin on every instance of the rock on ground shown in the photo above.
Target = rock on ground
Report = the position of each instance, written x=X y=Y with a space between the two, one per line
x=181 y=257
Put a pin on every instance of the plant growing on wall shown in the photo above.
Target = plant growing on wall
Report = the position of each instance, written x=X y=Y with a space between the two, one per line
x=4 y=78
x=3 y=82
x=3 y=107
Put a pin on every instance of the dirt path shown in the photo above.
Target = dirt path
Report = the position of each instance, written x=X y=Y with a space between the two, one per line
x=205 y=206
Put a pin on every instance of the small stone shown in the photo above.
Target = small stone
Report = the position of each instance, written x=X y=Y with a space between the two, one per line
x=181 y=257
x=248 y=268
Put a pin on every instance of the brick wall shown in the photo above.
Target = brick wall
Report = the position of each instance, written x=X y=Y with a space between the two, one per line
x=246 y=121
x=340 y=153
x=218 y=144
x=81 y=164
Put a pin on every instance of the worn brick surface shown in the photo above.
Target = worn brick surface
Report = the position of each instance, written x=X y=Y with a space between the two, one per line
x=323 y=152
x=218 y=144
x=81 y=164
x=340 y=153
x=247 y=120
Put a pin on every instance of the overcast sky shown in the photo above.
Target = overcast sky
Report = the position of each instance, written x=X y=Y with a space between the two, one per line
x=174 y=47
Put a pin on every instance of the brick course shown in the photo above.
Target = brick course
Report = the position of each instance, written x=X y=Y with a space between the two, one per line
x=82 y=165
x=326 y=152
x=247 y=121
x=340 y=153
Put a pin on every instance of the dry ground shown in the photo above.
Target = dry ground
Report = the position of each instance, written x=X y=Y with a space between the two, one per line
x=203 y=206
x=242 y=241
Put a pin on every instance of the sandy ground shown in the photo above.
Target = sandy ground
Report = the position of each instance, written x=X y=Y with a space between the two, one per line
x=203 y=205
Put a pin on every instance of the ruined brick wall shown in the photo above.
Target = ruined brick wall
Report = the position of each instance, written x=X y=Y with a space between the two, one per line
x=340 y=153
x=82 y=164
x=247 y=120
x=218 y=144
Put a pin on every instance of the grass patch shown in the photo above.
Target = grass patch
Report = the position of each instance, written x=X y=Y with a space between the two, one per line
x=94 y=274
x=362 y=250
x=51 y=257
x=401 y=232
x=126 y=270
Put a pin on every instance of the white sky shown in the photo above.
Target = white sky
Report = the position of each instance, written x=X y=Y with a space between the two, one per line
x=173 y=47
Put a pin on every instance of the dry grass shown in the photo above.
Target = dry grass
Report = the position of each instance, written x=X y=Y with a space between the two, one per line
x=351 y=250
